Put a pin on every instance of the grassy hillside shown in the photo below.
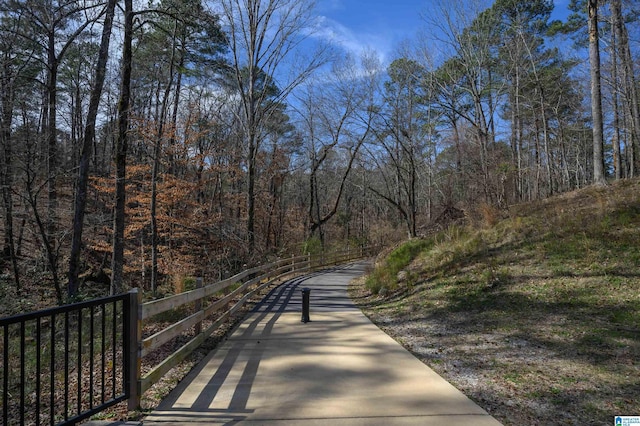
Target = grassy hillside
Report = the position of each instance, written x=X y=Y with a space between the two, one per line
x=536 y=316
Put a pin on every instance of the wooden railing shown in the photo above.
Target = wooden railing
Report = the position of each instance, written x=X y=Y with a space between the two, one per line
x=93 y=350
x=215 y=302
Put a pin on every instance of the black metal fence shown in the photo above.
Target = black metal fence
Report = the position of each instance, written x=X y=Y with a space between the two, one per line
x=63 y=365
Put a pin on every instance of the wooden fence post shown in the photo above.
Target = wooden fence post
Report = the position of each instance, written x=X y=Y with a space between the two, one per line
x=198 y=307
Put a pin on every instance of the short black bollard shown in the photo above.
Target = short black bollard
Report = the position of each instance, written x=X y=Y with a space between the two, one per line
x=305 y=304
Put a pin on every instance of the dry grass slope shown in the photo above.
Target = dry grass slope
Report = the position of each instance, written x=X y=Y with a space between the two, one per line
x=536 y=317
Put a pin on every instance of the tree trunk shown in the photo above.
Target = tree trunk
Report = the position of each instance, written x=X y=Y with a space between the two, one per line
x=314 y=202
x=615 y=92
x=85 y=157
x=52 y=145
x=629 y=83
x=545 y=139
x=6 y=174
x=153 y=212
x=173 y=169
x=50 y=252
x=117 y=262
x=157 y=152
x=596 y=96
x=321 y=220
x=515 y=121
x=251 y=191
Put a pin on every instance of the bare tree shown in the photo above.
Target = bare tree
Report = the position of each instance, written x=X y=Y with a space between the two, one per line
x=338 y=118
x=87 y=145
x=55 y=27
x=263 y=35
x=473 y=35
x=406 y=139
x=16 y=63
x=51 y=28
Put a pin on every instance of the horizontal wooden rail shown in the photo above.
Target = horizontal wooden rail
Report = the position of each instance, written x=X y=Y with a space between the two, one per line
x=210 y=299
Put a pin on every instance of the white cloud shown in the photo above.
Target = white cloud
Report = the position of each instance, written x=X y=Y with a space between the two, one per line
x=350 y=41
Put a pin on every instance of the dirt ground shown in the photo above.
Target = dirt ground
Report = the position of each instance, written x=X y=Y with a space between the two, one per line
x=520 y=379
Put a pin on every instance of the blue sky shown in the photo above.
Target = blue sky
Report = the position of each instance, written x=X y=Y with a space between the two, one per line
x=377 y=24
x=380 y=25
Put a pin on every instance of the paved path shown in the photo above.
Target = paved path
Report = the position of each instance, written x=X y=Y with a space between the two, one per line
x=337 y=369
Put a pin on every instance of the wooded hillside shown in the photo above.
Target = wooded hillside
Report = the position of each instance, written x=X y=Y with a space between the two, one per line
x=532 y=313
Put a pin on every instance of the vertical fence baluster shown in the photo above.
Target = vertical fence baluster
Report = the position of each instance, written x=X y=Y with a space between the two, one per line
x=126 y=343
x=38 y=369
x=66 y=365
x=79 y=362
x=102 y=348
x=22 y=373
x=5 y=375
x=52 y=367
x=113 y=349
x=91 y=338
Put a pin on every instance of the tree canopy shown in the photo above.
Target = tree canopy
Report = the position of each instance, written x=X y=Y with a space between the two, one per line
x=147 y=143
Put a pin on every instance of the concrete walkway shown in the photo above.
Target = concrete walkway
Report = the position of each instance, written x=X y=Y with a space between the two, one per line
x=337 y=369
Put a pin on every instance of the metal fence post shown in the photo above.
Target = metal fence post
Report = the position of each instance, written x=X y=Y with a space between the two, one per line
x=135 y=348
x=305 y=304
